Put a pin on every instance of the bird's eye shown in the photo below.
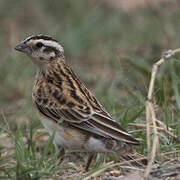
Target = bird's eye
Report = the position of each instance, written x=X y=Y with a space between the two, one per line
x=39 y=44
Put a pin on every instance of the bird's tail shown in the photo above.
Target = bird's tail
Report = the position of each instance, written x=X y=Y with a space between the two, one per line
x=126 y=153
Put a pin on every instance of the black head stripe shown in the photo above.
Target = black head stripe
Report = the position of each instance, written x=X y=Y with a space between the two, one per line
x=44 y=37
x=50 y=49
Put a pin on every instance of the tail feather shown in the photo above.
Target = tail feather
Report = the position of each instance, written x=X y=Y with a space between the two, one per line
x=129 y=155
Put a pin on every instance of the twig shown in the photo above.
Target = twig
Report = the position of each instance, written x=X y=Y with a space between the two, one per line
x=150 y=113
x=171 y=155
x=168 y=133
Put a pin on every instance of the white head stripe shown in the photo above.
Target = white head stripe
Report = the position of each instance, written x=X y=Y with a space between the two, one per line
x=46 y=42
x=51 y=44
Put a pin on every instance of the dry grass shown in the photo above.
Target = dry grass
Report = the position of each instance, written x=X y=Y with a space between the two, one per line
x=150 y=113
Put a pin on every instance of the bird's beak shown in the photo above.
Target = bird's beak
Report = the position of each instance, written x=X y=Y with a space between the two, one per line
x=22 y=47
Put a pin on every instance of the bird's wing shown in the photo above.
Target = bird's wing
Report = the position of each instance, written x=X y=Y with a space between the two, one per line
x=67 y=97
x=84 y=117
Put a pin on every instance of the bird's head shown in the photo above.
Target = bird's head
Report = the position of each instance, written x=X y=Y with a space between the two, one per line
x=41 y=49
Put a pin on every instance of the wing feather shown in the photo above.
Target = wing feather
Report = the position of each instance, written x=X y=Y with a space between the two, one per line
x=67 y=97
x=95 y=123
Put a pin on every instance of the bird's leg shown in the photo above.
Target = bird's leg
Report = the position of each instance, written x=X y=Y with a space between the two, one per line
x=90 y=158
x=61 y=155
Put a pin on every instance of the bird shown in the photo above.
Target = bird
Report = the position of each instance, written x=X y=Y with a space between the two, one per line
x=67 y=108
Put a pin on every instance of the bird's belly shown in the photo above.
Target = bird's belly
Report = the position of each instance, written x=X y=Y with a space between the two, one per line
x=73 y=138
x=63 y=137
x=96 y=145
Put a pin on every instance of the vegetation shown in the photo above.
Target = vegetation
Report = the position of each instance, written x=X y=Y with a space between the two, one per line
x=112 y=50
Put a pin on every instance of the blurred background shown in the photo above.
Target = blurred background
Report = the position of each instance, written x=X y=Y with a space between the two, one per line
x=111 y=45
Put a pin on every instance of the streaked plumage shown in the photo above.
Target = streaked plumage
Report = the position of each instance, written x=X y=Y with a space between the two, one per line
x=67 y=106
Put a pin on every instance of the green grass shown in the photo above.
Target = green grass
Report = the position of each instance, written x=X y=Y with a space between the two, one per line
x=112 y=51
x=26 y=160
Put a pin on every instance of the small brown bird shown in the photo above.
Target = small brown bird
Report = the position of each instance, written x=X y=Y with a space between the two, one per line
x=59 y=94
